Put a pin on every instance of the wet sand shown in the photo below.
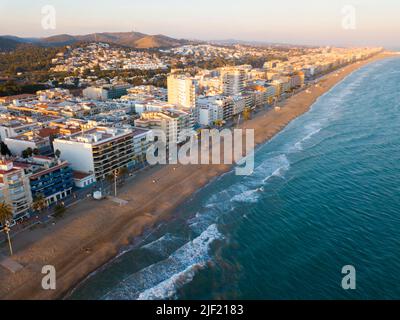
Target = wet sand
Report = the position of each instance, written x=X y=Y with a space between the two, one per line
x=92 y=233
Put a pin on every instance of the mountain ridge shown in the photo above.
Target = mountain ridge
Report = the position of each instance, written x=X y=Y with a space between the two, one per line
x=136 y=40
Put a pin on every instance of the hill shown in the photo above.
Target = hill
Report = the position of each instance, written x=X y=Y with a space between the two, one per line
x=7 y=44
x=127 y=39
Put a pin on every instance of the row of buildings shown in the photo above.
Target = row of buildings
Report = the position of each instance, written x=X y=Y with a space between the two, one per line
x=53 y=142
x=87 y=157
x=104 y=57
x=22 y=181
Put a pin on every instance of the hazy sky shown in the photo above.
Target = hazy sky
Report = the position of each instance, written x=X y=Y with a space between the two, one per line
x=291 y=21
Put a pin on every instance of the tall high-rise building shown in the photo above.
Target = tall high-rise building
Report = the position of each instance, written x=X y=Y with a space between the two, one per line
x=182 y=90
x=233 y=80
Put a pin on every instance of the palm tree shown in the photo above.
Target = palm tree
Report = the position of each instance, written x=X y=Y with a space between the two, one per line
x=247 y=113
x=123 y=171
x=218 y=123
x=59 y=210
x=39 y=203
x=110 y=177
x=6 y=214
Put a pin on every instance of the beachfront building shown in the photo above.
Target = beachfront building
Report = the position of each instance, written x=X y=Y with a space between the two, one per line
x=15 y=189
x=173 y=123
x=100 y=150
x=257 y=96
x=214 y=109
x=210 y=110
x=239 y=103
x=48 y=177
x=142 y=140
x=83 y=179
x=297 y=80
x=233 y=80
x=182 y=91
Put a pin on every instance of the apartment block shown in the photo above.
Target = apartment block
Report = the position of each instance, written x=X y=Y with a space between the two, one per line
x=182 y=90
x=233 y=80
x=174 y=123
x=49 y=177
x=210 y=110
x=99 y=150
x=106 y=92
x=15 y=189
x=239 y=103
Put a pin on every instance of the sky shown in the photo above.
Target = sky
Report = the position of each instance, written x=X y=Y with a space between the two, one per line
x=312 y=22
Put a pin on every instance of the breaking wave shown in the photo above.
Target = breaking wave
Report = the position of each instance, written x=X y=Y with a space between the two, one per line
x=162 y=279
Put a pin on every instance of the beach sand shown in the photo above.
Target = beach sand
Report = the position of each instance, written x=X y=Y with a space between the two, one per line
x=92 y=233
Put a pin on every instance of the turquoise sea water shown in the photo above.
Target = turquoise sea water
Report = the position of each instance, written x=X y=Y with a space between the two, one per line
x=325 y=193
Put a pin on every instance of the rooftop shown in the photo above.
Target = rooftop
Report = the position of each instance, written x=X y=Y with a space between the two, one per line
x=97 y=135
x=79 y=175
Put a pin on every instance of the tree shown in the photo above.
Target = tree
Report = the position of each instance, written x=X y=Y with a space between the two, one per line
x=218 y=123
x=110 y=178
x=59 y=210
x=27 y=153
x=6 y=214
x=247 y=113
x=4 y=149
x=39 y=203
x=122 y=173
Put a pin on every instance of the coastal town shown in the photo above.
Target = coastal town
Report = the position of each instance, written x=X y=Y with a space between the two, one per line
x=60 y=146
x=198 y=159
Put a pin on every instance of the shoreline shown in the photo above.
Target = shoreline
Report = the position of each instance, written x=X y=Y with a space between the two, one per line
x=93 y=233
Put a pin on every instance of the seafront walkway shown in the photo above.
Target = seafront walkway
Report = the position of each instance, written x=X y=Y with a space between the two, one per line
x=10 y=264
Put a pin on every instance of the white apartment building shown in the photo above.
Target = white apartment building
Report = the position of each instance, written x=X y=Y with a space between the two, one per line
x=152 y=106
x=214 y=108
x=209 y=110
x=14 y=189
x=239 y=103
x=233 y=80
x=182 y=90
x=114 y=91
x=141 y=143
x=174 y=123
x=28 y=140
x=101 y=150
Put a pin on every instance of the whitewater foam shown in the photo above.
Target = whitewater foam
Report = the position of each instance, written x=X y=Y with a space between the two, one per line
x=162 y=279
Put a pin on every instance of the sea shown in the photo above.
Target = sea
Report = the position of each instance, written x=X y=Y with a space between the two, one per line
x=325 y=194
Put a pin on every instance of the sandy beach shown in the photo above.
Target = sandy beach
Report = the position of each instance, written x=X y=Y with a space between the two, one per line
x=93 y=232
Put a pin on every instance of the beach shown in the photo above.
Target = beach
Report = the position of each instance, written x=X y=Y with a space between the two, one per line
x=93 y=232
